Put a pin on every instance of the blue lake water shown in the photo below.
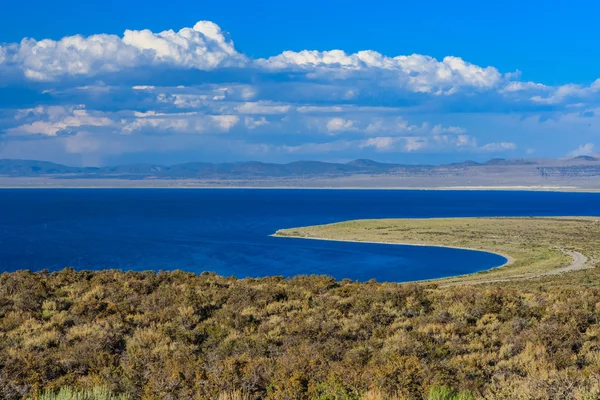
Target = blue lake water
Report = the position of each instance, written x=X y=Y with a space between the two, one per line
x=227 y=230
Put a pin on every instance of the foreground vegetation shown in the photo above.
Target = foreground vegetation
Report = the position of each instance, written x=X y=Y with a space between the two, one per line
x=176 y=335
x=534 y=246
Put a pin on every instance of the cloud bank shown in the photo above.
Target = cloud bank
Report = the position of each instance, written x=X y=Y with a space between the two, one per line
x=190 y=95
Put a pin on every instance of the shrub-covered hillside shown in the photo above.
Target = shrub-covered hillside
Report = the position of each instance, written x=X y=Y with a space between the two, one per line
x=183 y=336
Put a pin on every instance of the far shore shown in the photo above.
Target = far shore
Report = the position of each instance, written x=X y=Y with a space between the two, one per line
x=354 y=182
x=196 y=185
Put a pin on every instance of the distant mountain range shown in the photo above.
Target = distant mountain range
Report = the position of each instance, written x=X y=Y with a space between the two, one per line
x=582 y=166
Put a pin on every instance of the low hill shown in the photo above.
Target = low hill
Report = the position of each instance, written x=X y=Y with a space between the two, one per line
x=578 y=172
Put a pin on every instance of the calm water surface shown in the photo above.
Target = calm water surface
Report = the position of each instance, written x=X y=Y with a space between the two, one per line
x=226 y=231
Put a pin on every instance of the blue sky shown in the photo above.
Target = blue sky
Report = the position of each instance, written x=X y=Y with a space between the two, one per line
x=110 y=82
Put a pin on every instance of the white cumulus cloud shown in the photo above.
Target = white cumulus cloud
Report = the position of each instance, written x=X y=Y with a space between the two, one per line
x=185 y=123
x=498 y=147
x=335 y=125
x=57 y=119
x=262 y=107
x=203 y=47
x=253 y=123
x=380 y=142
x=417 y=72
x=583 y=150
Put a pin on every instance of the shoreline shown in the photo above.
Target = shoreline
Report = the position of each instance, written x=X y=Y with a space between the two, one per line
x=541 y=259
x=555 y=189
x=509 y=260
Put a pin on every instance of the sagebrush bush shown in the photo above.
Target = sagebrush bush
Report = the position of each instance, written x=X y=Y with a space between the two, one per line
x=173 y=335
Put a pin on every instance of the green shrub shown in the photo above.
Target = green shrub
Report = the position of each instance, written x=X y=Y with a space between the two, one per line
x=444 y=393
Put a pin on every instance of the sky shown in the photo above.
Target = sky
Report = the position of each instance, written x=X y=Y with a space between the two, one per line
x=113 y=82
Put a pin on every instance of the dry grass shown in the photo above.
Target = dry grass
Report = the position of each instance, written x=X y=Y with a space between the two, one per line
x=235 y=395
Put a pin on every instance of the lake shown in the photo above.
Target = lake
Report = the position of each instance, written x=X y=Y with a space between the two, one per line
x=227 y=230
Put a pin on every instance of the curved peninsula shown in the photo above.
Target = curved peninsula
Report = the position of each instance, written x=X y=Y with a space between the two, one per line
x=534 y=246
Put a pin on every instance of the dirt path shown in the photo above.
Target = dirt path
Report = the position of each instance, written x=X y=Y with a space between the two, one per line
x=579 y=262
